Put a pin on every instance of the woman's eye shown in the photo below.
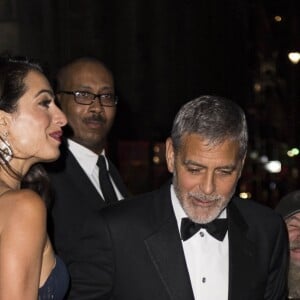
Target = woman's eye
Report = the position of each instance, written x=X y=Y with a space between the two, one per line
x=45 y=103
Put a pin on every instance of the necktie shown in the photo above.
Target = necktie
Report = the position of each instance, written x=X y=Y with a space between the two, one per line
x=105 y=183
x=217 y=228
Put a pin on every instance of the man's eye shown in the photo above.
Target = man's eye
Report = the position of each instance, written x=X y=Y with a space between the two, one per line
x=83 y=94
x=225 y=172
x=292 y=226
x=108 y=96
x=193 y=170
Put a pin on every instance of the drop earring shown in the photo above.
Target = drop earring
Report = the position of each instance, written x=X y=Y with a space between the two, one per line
x=5 y=149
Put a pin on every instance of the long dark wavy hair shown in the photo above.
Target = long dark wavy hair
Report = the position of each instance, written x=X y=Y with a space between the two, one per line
x=13 y=71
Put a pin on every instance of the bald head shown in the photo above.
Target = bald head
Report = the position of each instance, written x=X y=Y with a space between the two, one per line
x=67 y=71
x=89 y=124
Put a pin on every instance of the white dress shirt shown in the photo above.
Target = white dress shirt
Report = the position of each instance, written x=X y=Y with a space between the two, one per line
x=207 y=259
x=87 y=160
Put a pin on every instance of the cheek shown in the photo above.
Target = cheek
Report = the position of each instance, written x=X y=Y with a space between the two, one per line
x=226 y=186
x=74 y=122
x=28 y=137
x=24 y=126
x=73 y=112
x=75 y=116
x=186 y=181
x=110 y=116
x=293 y=235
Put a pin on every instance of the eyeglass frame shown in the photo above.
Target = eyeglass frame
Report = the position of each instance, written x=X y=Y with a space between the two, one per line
x=94 y=97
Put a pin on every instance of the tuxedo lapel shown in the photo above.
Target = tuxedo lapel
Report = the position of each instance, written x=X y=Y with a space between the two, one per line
x=166 y=252
x=241 y=255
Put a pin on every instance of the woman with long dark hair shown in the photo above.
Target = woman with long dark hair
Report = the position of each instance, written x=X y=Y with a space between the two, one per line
x=30 y=132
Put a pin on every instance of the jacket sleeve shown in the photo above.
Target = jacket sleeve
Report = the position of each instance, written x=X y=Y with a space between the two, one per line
x=92 y=267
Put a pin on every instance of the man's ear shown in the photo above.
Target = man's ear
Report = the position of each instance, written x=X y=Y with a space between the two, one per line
x=242 y=164
x=170 y=157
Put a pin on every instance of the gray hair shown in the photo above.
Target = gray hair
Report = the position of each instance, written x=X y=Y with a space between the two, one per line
x=214 y=118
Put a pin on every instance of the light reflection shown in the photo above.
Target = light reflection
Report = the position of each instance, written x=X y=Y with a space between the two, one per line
x=245 y=195
x=278 y=18
x=156 y=159
x=294 y=57
x=273 y=166
x=156 y=149
x=293 y=152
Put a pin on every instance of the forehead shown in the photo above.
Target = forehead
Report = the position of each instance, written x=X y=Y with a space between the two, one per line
x=294 y=217
x=87 y=73
x=35 y=80
x=195 y=147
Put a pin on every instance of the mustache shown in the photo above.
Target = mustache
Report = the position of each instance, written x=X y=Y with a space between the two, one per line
x=294 y=245
x=204 y=197
x=95 y=118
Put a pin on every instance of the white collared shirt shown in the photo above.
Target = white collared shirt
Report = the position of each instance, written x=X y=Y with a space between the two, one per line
x=207 y=259
x=87 y=160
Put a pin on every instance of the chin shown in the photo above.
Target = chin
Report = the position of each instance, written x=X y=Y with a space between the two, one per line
x=295 y=260
x=201 y=217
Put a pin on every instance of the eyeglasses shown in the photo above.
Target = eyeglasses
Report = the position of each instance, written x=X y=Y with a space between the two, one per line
x=87 y=98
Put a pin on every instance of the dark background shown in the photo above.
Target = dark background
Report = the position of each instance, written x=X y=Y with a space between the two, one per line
x=166 y=52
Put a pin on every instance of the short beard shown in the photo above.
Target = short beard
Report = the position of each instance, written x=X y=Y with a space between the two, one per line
x=219 y=200
x=294 y=281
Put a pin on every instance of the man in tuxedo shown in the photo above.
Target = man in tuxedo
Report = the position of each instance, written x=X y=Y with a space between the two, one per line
x=289 y=208
x=192 y=238
x=79 y=179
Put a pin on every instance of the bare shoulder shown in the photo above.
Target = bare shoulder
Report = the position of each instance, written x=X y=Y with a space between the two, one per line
x=23 y=236
x=22 y=201
x=19 y=206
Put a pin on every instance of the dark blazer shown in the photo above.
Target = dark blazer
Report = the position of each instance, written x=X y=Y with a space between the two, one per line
x=74 y=200
x=139 y=255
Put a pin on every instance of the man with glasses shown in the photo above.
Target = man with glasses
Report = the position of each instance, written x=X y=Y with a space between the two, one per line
x=83 y=180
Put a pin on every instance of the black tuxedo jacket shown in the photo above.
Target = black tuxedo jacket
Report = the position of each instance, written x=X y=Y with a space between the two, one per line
x=139 y=255
x=74 y=201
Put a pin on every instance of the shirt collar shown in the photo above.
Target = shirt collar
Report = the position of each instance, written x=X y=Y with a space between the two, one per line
x=86 y=158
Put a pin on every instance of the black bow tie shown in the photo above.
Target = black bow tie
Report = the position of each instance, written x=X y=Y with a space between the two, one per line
x=217 y=228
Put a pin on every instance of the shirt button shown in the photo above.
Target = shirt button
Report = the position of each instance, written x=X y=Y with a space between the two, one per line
x=201 y=234
x=203 y=279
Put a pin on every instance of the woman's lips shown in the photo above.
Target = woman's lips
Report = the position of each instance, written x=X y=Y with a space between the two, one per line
x=56 y=135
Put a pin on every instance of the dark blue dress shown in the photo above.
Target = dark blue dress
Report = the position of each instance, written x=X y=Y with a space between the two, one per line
x=56 y=285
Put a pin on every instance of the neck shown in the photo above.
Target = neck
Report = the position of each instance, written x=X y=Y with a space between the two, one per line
x=9 y=181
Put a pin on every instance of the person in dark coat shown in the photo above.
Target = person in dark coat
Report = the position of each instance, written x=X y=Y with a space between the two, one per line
x=82 y=175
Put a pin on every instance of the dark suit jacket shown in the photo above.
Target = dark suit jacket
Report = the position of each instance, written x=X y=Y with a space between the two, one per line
x=74 y=201
x=140 y=257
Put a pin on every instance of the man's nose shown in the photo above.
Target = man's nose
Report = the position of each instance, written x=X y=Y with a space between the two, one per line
x=96 y=105
x=207 y=183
